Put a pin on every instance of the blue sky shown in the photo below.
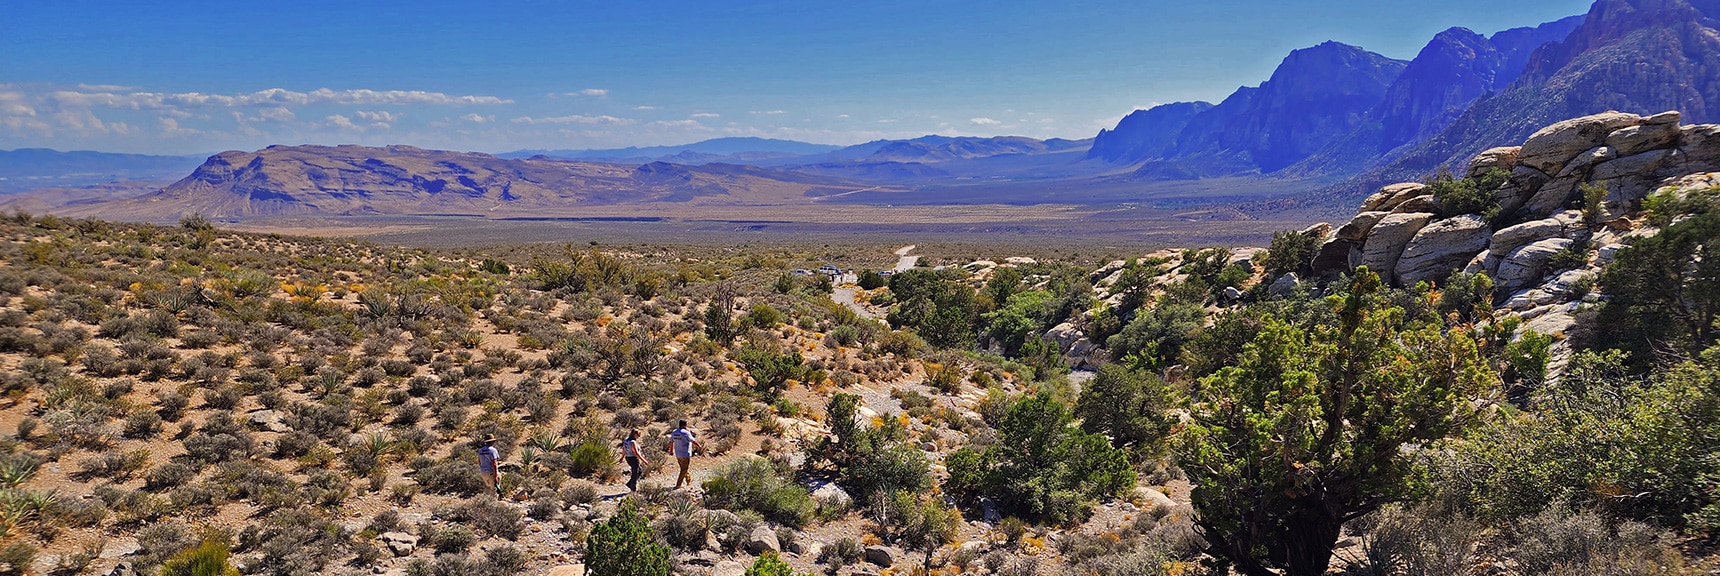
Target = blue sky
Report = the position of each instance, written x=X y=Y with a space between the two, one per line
x=180 y=77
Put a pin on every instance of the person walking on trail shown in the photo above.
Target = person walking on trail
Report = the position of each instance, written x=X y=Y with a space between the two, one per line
x=684 y=445
x=636 y=461
x=488 y=457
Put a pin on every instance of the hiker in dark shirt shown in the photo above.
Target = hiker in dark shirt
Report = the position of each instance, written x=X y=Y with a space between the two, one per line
x=636 y=461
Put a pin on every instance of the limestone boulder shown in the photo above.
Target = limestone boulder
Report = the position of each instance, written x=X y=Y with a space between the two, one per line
x=567 y=570
x=1357 y=228
x=1391 y=196
x=1699 y=148
x=1587 y=161
x=1667 y=117
x=1389 y=237
x=1522 y=185
x=1525 y=265
x=1510 y=238
x=1337 y=255
x=1643 y=164
x=1634 y=140
x=1549 y=149
x=1425 y=204
x=1441 y=247
x=1554 y=195
x=1503 y=158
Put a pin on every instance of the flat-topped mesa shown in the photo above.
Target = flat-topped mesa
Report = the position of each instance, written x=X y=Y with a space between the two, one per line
x=1405 y=233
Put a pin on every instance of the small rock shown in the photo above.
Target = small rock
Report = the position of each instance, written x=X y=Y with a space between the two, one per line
x=762 y=539
x=566 y=570
x=1280 y=287
x=401 y=543
x=880 y=555
x=269 y=420
x=123 y=569
x=729 y=568
x=1150 y=499
x=829 y=491
x=1232 y=294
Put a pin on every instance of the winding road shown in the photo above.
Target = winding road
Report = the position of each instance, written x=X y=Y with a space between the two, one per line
x=844 y=295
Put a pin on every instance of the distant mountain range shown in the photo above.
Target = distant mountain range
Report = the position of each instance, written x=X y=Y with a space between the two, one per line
x=32 y=168
x=729 y=150
x=1331 y=122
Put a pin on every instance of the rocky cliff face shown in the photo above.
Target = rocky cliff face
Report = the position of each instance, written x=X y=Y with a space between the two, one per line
x=1145 y=133
x=1454 y=69
x=1315 y=96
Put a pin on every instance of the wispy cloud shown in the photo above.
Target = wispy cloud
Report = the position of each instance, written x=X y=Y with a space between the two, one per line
x=767 y=112
x=575 y=119
x=705 y=115
x=983 y=121
x=270 y=97
x=644 y=107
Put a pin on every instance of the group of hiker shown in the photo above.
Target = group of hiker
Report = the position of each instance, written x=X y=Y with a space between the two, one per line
x=682 y=445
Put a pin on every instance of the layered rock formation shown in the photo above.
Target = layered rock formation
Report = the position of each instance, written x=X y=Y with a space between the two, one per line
x=1545 y=241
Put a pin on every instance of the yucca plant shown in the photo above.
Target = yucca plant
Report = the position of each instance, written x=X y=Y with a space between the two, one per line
x=13 y=473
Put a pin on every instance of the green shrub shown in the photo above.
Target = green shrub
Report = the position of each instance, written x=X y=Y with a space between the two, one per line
x=771 y=369
x=867 y=460
x=755 y=484
x=1290 y=251
x=870 y=280
x=590 y=457
x=207 y=559
x=624 y=545
x=1042 y=467
x=770 y=564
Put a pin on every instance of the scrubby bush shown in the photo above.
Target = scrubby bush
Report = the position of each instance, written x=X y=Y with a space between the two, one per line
x=1042 y=467
x=623 y=545
x=752 y=483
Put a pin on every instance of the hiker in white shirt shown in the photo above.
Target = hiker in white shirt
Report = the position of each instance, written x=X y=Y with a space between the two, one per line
x=636 y=461
x=684 y=445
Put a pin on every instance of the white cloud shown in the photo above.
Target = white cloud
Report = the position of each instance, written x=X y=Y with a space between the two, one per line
x=277 y=114
x=767 y=112
x=377 y=116
x=644 y=107
x=677 y=124
x=594 y=92
x=705 y=115
x=170 y=127
x=475 y=118
x=574 y=119
x=842 y=116
x=982 y=121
